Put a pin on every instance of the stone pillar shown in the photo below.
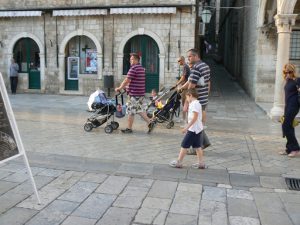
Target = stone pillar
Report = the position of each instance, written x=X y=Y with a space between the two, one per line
x=284 y=23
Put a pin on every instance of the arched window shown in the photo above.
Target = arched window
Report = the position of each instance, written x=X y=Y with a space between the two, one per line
x=84 y=48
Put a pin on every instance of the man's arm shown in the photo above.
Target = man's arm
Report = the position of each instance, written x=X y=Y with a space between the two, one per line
x=125 y=82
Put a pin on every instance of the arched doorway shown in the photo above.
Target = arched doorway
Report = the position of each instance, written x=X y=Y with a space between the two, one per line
x=80 y=58
x=148 y=50
x=27 y=54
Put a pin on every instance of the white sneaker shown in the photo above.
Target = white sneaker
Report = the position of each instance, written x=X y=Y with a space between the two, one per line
x=175 y=164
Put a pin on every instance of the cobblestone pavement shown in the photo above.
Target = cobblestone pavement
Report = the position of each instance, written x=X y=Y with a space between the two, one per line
x=98 y=178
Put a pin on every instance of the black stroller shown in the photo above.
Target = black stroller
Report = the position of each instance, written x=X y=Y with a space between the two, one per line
x=103 y=112
x=166 y=113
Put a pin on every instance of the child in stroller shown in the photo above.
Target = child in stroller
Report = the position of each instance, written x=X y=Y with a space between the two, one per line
x=103 y=110
x=165 y=113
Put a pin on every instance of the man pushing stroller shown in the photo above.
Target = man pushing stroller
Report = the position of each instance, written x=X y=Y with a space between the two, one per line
x=135 y=84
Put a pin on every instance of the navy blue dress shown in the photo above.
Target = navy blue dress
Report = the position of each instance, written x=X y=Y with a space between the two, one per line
x=291 y=109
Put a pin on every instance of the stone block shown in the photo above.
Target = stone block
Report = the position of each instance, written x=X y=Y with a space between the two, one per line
x=71 y=220
x=113 y=185
x=244 y=180
x=242 y=208
x=275 y=218
x=157 y=203
x=135 y=169
x=132 y=202
x=9 y=200
x=94 y=206
x=79 y=191
x=212 y=213
x=268 y=202
x=94 y=177
x=214 y=194
x=187 y=187
x=117 y=216
x=179 y=219
x=273 y=182
x=241 y=194
x=163 y=189
x=146 y=215
x=237 y=220
x=138 y=182
x=186 y=203
x=6 y=186
x=16 y=216
x=51 y=172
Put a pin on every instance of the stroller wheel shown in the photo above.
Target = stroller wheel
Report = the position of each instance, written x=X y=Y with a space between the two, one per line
x=108 y=129
x=170 y=125
x=88 y=127
x=115 y=125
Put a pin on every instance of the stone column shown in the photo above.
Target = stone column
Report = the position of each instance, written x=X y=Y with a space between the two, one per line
x=284 y=23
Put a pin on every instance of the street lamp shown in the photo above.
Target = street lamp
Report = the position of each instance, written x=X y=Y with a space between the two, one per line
x=206 y=16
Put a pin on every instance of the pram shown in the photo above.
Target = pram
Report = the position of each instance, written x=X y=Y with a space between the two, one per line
x=166 y=113
x=104 y=109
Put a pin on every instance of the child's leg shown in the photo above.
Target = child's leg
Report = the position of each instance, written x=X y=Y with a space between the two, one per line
x=182 y=153
x=199 y=152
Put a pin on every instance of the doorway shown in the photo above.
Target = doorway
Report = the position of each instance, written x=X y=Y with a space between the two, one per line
x=27 y=55
x=148 y=50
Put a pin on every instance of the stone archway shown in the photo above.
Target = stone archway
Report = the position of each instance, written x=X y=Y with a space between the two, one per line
x=286 y=6
x=41 y=49
x=61 y=57
x=156 y=38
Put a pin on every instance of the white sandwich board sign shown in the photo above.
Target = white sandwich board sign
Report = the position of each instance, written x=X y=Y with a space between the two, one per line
x=11 y=145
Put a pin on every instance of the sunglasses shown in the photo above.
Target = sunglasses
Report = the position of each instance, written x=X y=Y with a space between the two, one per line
x=287 y=72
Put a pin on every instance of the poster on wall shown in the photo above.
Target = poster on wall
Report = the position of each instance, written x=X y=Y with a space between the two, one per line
x=91 y=60
x=73 y=68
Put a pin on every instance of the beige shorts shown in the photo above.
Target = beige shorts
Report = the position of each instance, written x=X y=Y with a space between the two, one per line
x=135 y=105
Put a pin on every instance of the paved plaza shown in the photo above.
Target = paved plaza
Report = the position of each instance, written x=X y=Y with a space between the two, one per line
x=88 y=178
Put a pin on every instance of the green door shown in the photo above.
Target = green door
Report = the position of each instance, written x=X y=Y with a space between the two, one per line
x=27 y=55
x=147 y=48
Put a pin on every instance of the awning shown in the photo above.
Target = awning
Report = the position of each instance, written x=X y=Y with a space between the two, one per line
x=20 y=13
x=80 y=12
x=148 y=10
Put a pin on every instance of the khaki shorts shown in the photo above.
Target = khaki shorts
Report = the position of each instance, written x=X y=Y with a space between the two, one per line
x=134 y=105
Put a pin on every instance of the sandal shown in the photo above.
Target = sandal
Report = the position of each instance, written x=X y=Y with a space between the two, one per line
x=199 y=166
x=283 y=152
x=293 y=154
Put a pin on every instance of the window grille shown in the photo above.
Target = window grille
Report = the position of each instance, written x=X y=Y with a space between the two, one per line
x=295 y=45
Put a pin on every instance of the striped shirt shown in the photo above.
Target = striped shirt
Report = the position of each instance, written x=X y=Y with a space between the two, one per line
x=136 y=75
x=201 y=69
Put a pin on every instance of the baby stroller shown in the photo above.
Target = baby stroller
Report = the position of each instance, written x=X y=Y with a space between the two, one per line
x=104 y=109
x=165 y=113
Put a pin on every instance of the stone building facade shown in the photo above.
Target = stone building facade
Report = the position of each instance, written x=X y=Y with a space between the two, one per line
x=69 y=46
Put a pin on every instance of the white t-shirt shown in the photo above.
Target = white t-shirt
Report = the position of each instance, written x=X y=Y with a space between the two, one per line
x=195 y=106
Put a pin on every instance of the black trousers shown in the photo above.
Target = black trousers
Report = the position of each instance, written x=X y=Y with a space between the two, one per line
x=287 y=128
x=13 y=84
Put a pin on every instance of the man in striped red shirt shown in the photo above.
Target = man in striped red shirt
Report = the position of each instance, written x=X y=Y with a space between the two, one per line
x=135 y=85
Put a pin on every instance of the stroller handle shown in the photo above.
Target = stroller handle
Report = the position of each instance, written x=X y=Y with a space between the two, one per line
x=120 y=93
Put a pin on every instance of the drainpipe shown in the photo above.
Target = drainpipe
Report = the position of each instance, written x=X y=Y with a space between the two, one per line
x=113 y=37
x=169 y=45
x=57 y=63
x=103 y=42
x=45 y=43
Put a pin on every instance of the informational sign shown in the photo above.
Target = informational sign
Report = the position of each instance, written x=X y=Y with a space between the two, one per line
x=91 y=60
x=11 y=145
x=8 y=145
x=73 y=68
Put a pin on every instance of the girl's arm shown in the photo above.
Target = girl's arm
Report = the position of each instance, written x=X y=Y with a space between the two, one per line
x=195 y=117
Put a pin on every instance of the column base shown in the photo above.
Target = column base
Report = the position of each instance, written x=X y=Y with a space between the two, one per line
x=276 y=112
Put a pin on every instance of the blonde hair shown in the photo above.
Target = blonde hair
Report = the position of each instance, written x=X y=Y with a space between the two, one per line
x=289 y=67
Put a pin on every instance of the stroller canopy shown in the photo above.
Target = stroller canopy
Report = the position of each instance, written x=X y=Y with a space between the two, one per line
x=97 y=97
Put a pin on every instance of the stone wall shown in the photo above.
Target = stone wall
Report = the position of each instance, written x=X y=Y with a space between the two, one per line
x=115 y=29
x=23 y=4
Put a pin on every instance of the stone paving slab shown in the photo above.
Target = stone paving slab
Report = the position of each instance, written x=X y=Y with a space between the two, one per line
x=71 y=220
x=16 y=216
x=117 y=216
